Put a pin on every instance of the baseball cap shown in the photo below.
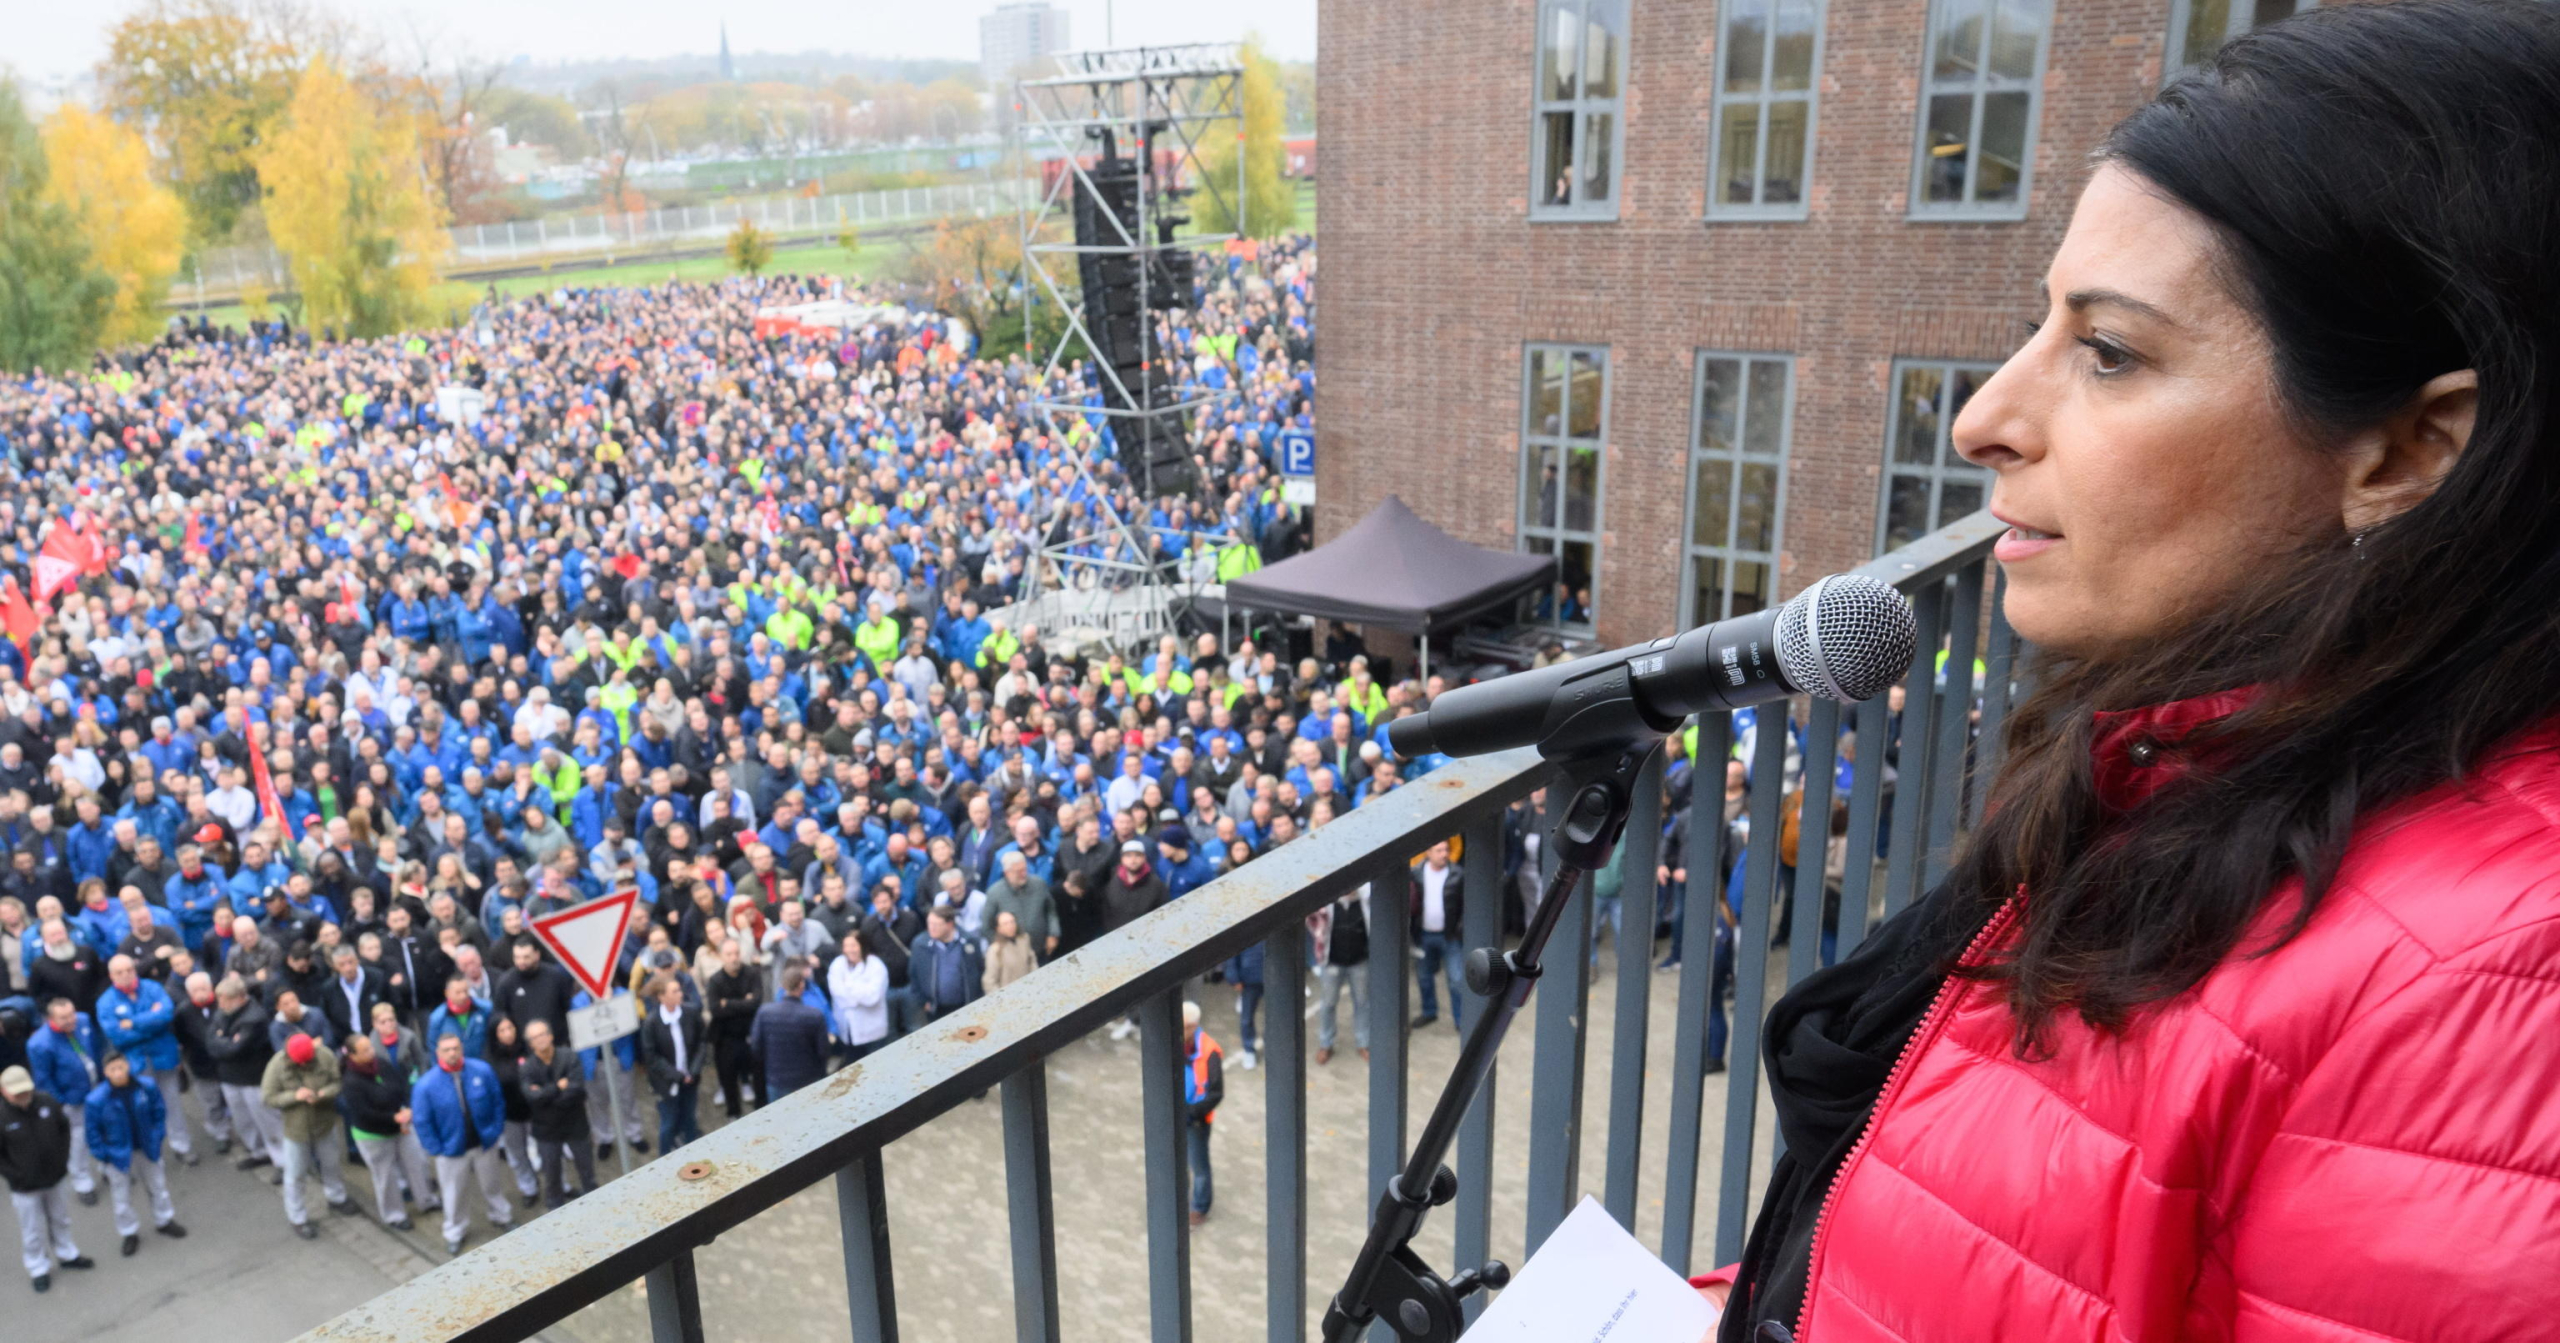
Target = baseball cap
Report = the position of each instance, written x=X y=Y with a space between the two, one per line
x=1133 y=846
x=210 y=834
x=16 y=1081
x=300 y=1049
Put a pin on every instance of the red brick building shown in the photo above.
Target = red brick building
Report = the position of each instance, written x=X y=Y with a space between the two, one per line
x=1689 y=291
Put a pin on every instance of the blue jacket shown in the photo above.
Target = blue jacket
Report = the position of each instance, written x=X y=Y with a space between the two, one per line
x=475 y=1034
x=142 y=1024
x=58 y=1069
x=249 y=886
x=195 y=898
x=126 y=1123
x=157 y=818
x=437 y=1116
x=91 y=847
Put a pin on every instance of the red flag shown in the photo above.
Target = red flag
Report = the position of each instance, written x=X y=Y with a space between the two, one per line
x=60 y=563
x=268 y=800
x=89 y=536
x=17 y=616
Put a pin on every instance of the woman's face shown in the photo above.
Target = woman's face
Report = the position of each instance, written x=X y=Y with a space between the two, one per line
x=2146 y=467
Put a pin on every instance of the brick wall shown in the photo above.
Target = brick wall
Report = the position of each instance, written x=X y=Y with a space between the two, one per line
x=1434 y=277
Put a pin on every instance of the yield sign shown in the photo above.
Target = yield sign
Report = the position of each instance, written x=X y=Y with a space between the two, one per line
x=588 y=938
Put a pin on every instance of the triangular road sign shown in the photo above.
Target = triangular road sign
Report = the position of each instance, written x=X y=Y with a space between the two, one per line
x=588 y=938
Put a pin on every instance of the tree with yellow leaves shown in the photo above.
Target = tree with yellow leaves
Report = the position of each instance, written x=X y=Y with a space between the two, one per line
x=210 y=78
x=101 y=173
x=1270 y=204
x=348 y=204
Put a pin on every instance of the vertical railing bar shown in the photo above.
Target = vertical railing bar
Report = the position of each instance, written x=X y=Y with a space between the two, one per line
x=1911 y=759
x=675 y=1301
x=1031 y=1209
x=1999 y=671
x=1638 y=854
x=1703 y=857
x=1390 y=975
x=862 y=1214
x=1390 y=969
x=1563 y=1004
x=1160 y=1054
x=1813 y=838
x=1750 y=983
x=1480 y=925
x=1284 y=1129
x=1866 y=800
x=1953 y=720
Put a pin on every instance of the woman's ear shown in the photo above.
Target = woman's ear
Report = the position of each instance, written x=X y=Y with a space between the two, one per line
x=2396 y=465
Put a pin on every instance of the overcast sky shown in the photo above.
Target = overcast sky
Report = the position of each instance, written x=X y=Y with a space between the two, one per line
x=49 y=41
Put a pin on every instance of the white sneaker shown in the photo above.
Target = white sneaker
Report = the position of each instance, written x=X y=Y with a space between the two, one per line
x=1245 y=1060
x=1122 y=1030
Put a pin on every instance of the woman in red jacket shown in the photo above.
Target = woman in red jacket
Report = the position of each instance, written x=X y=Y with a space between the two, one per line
x=2239 y=1018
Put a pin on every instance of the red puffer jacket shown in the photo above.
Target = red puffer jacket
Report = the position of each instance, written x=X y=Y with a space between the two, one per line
x=2354 y=1139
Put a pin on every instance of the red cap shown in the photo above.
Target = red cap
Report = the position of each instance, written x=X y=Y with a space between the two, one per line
x=211 y=834
x=299 y=1049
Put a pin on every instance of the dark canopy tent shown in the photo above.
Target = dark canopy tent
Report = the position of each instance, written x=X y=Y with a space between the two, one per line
x=1394 y=571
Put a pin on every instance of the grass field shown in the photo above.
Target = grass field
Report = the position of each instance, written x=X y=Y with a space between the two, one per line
x=871 y=259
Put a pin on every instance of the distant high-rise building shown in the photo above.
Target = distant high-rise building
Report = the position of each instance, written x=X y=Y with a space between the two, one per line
x=1013 y=35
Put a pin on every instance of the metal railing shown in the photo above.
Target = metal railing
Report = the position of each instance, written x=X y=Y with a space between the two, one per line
x=649 y=1224
x=224 y=271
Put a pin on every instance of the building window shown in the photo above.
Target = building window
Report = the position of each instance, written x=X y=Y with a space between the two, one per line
x=1926 y=485
x=1978 y=107
x=1737 y=473
x=1582 y=69
x=2198 y=28
x=1769 y=51
x=1564 y=422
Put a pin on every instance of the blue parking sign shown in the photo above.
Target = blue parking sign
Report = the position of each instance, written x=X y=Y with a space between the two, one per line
x=1297 y=453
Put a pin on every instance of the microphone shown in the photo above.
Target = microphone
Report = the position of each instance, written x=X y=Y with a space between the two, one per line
x=1844 y=638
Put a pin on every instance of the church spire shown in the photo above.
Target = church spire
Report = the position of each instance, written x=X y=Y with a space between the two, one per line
x=728 y=69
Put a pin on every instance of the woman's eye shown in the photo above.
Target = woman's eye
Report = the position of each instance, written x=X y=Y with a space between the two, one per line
x=2111 y=357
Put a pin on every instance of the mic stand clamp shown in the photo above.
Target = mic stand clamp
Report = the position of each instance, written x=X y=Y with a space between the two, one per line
x=1388 y=1281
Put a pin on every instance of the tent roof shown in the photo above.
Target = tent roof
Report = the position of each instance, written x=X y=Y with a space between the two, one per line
x=1395 y=571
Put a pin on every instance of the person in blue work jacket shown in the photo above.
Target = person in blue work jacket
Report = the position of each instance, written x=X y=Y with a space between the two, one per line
x=459 y=1116
x=126 y=1122
x=140 y=1020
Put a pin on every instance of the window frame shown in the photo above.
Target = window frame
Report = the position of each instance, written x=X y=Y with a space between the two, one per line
x=1936 y=472
x=1729 y=554
x=1921 y=209
x=1533 y=442
x=1717 y=208
x=2182 y=18
x=1581 y=105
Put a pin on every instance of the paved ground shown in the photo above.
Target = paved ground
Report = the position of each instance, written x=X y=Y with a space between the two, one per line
x=240 y=1276
x=243 y=1276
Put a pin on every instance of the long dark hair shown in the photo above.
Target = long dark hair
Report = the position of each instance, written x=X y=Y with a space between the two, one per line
x=2385 y=183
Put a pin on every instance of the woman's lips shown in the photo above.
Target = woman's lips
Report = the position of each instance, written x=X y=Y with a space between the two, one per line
x=2021 y=543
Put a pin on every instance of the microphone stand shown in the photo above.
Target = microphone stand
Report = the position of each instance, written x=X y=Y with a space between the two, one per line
x=1388 y=1281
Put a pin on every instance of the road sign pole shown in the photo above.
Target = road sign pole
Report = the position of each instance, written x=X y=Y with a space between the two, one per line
x=613 y=1099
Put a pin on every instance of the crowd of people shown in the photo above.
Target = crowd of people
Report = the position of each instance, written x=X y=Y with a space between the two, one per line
x=353 y=683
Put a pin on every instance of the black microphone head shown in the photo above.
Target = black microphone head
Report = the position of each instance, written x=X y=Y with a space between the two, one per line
x=1845 y=638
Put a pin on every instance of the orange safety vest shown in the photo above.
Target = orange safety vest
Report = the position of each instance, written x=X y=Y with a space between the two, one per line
x=1200 y=1069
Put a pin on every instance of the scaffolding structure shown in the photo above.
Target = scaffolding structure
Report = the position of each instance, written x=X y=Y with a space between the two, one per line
x=1099 y=111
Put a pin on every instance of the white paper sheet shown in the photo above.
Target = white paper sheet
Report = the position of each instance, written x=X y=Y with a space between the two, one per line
x=1594 y=1283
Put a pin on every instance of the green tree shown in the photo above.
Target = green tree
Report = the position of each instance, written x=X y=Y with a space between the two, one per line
x=1270 y=202
x=348 y=203
x=54 y=302
x=750 y=248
